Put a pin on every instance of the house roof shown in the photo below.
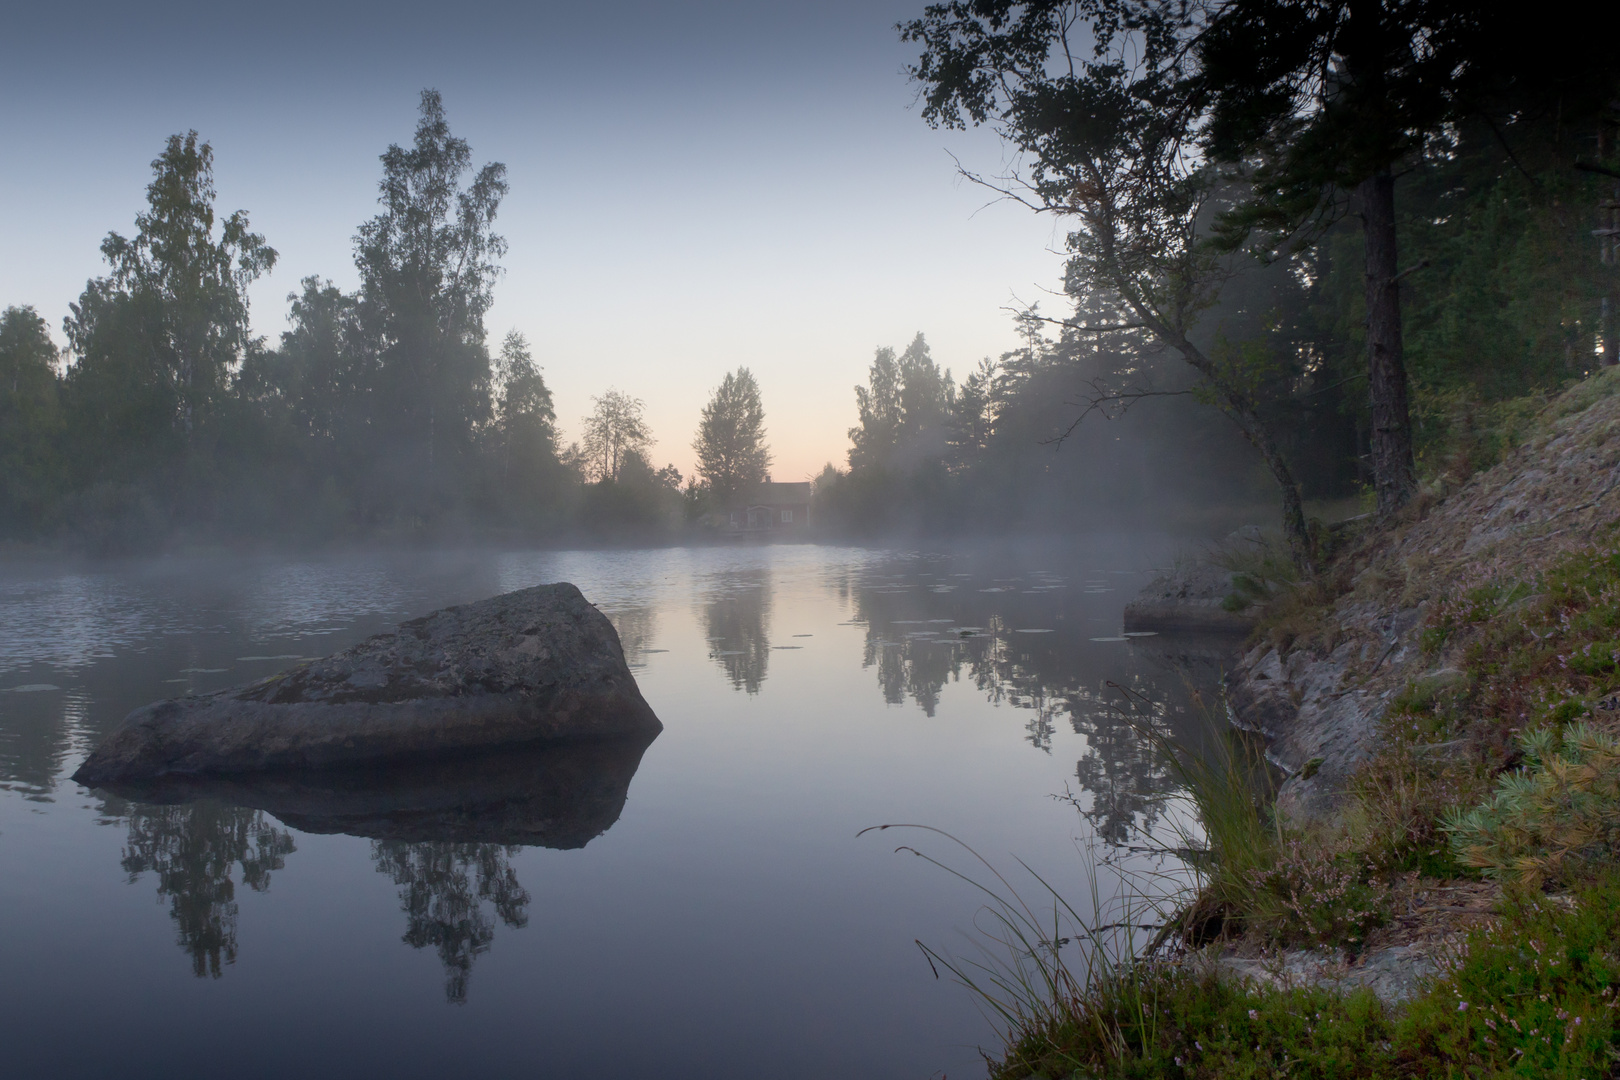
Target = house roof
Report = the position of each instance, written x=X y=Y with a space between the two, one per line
x=783 y=493
x=769 y=494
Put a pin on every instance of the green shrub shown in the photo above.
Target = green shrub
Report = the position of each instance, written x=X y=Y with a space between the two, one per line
x=1261 y=567
x=1595 y=658
x=1169 y=1021
x=1535 y=995
x=1462 y=434
x=1557 y=814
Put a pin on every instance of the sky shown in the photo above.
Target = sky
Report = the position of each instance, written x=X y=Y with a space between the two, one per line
x=694 y=186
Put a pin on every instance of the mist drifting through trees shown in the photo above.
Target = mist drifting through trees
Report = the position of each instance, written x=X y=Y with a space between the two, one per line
x=1200 y=290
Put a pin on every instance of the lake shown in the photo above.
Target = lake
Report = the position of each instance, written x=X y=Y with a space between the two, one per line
x=703 y=910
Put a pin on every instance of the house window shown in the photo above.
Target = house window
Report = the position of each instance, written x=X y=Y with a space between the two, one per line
x=787 y=517
x=734 y=517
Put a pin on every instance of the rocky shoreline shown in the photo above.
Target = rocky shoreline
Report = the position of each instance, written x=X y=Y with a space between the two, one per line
x=1318 y=697
x=1317 y=685
x=1188 y=599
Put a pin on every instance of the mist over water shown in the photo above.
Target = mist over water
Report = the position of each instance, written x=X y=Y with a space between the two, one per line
x=695 y=907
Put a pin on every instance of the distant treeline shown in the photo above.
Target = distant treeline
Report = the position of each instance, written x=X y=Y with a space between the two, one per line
x=380 y=413
x=385 y=414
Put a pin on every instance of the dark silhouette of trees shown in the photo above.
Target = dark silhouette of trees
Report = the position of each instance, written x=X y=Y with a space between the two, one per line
x=641 y=505
x=1108 y=146
x=427 y=276
x=157 y=341
x=193 y=286
x=526 y=429
x=30 y=419
x=1315 y=101
x=903 y=410
x=1214 y=259
x=614 y=430
x=878 y=406
x=1275 y=118
x=730 y=444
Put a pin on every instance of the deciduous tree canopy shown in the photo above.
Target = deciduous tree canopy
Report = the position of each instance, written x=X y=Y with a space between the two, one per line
x=730 y=445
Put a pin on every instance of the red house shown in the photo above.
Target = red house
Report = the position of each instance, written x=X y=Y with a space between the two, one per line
x=769 y=510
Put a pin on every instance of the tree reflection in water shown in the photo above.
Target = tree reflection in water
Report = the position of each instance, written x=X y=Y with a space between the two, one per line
x=1021 y=643
x=911 y=663
x=736 y=624
x=446 y=830
x=1123 y=768
x=451 y=894
x=192 y=849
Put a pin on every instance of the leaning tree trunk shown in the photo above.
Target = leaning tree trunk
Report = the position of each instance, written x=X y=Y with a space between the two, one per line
x=1236 y=404
x=1293 y=510
x=1230 y=398
x=1394 y=472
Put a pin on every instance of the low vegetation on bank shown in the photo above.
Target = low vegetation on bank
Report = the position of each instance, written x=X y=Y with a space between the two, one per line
x=1533 y=993
x=1494 y=774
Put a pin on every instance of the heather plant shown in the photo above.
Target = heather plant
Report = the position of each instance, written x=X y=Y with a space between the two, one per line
x=1175 y=1021
x=1535 y=993
x=1460 y=434
x=1542 y=647
x=1533 y=652
x=1398 y=799
x=1557 y=815
x=1311 y=896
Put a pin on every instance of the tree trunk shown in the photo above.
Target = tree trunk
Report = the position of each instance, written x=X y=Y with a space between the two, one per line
x=1607 y=243
x=1236 y=404
x=1293 y=510
x=1233 y=401
x=1394 y=472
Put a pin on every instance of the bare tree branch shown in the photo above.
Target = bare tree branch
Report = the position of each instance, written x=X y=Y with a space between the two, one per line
x=1070 y=324
x=1104 y=400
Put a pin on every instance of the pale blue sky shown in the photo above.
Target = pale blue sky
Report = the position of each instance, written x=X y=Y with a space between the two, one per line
x=694 y=186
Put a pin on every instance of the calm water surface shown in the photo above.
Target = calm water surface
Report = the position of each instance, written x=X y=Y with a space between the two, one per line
x=706 y=910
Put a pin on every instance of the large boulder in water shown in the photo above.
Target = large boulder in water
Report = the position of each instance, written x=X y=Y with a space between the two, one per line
x=537 y=664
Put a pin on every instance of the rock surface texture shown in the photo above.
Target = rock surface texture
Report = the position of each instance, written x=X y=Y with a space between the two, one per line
x=1395 y=974
x=1319 y=701
x=537 y=664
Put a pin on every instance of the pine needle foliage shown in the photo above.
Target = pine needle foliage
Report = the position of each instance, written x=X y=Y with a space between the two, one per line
x=1553 y=817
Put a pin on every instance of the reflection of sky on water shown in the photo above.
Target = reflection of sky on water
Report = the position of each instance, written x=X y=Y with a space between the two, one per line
x=71 y=620
x=807 y=692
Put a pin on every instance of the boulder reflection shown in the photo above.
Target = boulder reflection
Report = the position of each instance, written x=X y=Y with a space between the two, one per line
x=445 y=831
